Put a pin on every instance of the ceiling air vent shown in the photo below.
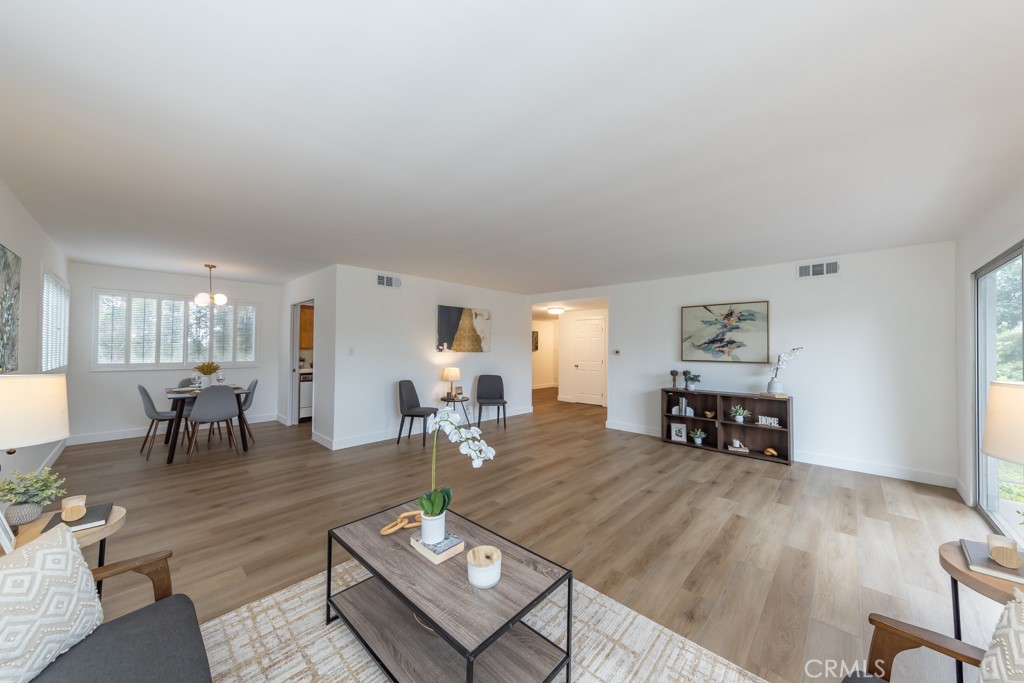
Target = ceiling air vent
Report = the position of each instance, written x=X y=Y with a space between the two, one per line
x=813 y=270
x=389 y=281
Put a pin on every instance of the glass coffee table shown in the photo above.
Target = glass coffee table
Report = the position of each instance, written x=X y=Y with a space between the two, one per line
x=473 y=633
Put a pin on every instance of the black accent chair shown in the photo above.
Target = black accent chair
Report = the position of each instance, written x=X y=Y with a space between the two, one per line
x=490 y=391
x=409 y=404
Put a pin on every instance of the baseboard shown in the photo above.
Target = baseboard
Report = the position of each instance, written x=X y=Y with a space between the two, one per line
x=323 y=441
x=54 y=454
x=392 y=434
x=545 y=386
x=632 y=428
x=138 y=432
x=968 y=496
x=881 y=469
x=566 y=398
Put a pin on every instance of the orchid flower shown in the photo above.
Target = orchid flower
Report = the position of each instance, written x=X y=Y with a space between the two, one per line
x=467 y=436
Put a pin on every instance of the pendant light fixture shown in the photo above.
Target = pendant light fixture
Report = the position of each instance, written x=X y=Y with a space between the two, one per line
x=205 y=298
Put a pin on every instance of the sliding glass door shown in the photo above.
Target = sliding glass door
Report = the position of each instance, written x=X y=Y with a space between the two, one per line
x=1000 y=357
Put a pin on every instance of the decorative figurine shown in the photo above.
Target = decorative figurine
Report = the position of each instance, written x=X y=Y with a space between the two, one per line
x=675 y=375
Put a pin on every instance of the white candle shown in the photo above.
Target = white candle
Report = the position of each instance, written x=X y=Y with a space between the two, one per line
x=484 y=564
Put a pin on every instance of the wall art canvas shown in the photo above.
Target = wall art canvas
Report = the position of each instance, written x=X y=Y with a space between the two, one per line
x=10 y=305
x=463 y=329
x=536 y=340
x=736 y=333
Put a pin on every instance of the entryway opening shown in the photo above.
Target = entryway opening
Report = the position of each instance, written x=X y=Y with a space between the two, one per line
x=300 y=390
x=570 y=352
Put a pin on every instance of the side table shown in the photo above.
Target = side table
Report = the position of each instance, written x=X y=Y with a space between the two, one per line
x=31 y=531
x=953 y=562
x=448 y=400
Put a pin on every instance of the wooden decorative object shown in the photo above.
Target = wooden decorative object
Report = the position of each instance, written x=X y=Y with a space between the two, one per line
x=709 y=414
x=771 y=451
x=1004 y=551
x=406 y=520
x=72 y=508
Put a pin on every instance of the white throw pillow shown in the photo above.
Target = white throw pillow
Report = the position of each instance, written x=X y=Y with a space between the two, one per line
x=1004 y=660
x=48 y=603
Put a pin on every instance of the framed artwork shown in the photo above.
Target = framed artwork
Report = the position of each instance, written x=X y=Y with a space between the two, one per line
x=10 y=305
x=536 y=340
x=678 y=432
x=732 y=333
x=458 y=391
x=463 y=329
x=7 y=541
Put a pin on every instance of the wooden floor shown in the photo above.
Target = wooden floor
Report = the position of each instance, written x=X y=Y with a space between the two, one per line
x=768 y=565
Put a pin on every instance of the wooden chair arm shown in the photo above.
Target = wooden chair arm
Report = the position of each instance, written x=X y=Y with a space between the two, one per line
x=153 y=566
x=892 y=637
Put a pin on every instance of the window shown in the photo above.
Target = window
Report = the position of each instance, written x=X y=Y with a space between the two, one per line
x=166 y=331
x=56 y=305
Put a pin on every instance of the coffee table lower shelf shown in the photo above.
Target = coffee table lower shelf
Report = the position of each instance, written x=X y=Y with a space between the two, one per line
x=408 y=652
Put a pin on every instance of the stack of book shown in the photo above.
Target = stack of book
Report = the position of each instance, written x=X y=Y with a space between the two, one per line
x=95 y=515
x=979 y=561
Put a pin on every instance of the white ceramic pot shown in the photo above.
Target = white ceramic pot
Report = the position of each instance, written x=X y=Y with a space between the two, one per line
x=432 y=530
x=206 y=381
x=698 y=441
x=22 y=513
x=690 y=386
x=739 y=418
x=774 y=386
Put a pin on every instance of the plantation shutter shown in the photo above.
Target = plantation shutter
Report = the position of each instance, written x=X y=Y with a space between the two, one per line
x=111 y=328
x=56 y=307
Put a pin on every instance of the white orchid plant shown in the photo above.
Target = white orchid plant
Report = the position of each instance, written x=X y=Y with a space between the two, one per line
x=437 y=500
x=784 y=359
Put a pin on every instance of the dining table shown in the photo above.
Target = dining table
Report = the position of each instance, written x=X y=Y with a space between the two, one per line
x=179 y=399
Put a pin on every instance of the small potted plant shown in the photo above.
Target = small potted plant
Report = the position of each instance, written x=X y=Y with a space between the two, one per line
x=207 y=370
x=697 y=435
x=27 y=493
x=691 y=380
x=302 y=361
x=738 y=412
x=434 y=503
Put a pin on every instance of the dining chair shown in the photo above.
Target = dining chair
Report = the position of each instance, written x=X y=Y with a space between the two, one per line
x=490 y=391
x=409 y=404
x=187 y=382
x=214 y=404
x=246 y=404
x=155 y=416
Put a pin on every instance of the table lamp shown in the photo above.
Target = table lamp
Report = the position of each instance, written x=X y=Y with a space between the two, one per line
x=451 y=375
x=1003 y=438
x=35 y=410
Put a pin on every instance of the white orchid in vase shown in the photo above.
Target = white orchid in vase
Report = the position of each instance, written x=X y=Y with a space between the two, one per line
x=784 y=358
x=437 y=500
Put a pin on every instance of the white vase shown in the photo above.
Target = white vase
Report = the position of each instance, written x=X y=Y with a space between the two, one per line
x=206 y=381
x=739 y=418
x=698 y=440
x=774 y=386
x=432 y=530
x=690 y=386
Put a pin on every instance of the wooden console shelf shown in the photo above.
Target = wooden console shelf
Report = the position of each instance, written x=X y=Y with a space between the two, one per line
x=722 y=429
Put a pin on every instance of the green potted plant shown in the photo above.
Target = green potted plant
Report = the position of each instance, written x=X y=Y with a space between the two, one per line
x=434 y=503
x=738 y=413
x=207 y=370
x=27 y=493
x=697 y=435
x=691 y=380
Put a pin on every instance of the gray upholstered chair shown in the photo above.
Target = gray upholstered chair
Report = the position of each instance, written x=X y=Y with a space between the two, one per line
x=246 y=404
x=182 y=383
x=214 y=404
x=490 y=391
x=155 y=416
x=409 y=404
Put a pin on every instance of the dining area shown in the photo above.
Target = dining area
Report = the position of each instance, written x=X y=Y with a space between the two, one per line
x=200 y=400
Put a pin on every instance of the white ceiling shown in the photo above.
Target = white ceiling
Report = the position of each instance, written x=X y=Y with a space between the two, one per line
x=528 y=146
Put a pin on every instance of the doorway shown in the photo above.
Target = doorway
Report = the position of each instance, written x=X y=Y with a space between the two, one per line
x=302 y=361
x=570 y=350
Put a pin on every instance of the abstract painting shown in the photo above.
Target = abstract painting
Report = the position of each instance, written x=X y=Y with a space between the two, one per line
x=536 y=340
x=463 y=329
x=10 y=304
x=736 y=333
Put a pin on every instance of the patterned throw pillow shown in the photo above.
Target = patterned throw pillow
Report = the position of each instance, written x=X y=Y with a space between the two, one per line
x=47 y=603
x=1004 y=660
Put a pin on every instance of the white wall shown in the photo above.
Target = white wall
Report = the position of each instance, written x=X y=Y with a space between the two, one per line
x=105 y=405
x=20 y=233
x=872 y=390
x=1002 y=228
x=385 y=335
x=545 y=359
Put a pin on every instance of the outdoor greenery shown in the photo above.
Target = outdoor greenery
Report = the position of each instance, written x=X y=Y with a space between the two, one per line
x=1009 y=342
x=28 y=487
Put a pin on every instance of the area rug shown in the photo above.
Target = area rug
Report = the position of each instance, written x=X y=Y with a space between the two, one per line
x=282 y=637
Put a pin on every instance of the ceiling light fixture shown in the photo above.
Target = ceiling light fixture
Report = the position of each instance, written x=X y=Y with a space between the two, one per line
x=556 y=310
x=204 y=298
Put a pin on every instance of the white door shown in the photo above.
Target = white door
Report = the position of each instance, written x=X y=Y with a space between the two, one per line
x=588 y=364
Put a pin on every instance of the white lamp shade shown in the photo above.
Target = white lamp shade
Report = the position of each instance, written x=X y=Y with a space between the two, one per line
x=451 y=375
x=1004 y=422
x=202 y=299
x=35 y=409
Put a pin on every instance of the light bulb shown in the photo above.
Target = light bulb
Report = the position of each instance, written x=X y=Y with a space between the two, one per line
x=219 y=299
x=202 y=299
